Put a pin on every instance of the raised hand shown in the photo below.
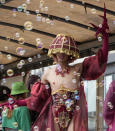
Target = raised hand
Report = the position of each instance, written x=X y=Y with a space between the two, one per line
x=104 y=28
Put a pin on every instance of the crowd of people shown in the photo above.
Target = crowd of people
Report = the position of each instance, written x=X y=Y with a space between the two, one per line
x=56 y=102
x=14 y=114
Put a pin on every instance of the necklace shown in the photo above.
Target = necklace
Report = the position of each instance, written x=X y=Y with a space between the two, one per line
x=61 y=72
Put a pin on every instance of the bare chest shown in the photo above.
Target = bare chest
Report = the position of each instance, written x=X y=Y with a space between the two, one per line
x=70 y=80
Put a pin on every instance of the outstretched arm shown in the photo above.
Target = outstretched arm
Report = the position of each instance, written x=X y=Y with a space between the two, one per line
x=94 y=66
x=40 y=92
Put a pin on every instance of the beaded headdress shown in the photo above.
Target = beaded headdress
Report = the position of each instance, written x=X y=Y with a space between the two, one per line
x=64 y=44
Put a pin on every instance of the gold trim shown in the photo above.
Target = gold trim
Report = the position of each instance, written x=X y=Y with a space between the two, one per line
x=65 y=35
x=66 y=51
x=66 y=45
x=62 y=42
x=63 y=90
x=56 y=41
x=61 y=49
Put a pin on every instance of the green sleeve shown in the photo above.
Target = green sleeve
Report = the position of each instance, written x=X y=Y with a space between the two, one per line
x=23 y=119
x=3 y=129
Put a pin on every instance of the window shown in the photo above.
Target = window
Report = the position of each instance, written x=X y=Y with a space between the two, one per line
x=90 y=92
x=107 y=81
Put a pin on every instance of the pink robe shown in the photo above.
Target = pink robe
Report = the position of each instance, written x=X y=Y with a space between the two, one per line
x=109 y=107
x=41 y=99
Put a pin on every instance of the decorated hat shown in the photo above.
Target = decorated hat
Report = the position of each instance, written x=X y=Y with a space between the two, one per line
x=4 y=92
x=64 y=44
x=18 y=88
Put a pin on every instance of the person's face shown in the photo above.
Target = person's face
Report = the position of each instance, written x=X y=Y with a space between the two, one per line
x=62 y=57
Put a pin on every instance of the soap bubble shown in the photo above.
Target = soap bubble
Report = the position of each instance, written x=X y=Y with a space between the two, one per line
x=30 y=59
x=93 y=11
x=22 y=62
x=67 y=18
x=28 y=25
x=37 y=11
x=46 y=8
x=19 y=65
x=74 y=81
x=38 y=17
x=24 y=6
x=99 y=38
x=20 y=51
x=22 y=73
x=19 y=8
x=9 y=57
x=21 y=40
x=59 y=1
x=10 y=72
x=72 y=6
x=36 y=128
x=17 y=34
x=6 y=48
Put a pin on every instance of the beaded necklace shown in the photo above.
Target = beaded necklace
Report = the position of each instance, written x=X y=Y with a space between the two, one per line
x=61 y=72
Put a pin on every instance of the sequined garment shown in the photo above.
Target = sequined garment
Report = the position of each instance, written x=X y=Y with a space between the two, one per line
x=45 y=121
x=64 y=104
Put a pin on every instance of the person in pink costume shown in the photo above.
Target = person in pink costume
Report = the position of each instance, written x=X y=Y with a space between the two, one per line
x=109 y=107
x=60 y=95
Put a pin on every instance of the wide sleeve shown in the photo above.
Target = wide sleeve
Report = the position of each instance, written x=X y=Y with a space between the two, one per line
x=39 y=95
x=23 y=119
x=109 y=105
x=94 y=66
x=21 y=102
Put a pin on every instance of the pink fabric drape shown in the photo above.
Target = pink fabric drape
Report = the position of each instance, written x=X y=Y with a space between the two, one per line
x=92 y=68
x=46 y=120
x=81 y=116
x=15 y=102
x=39 y=95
